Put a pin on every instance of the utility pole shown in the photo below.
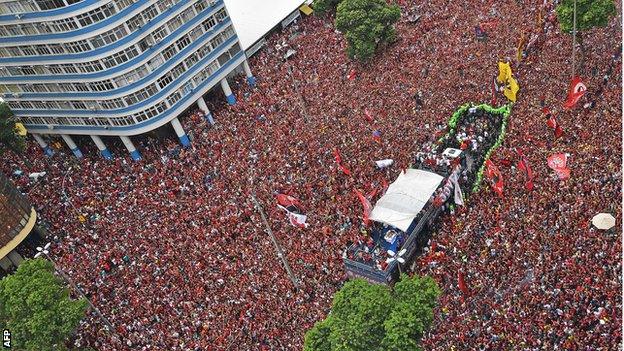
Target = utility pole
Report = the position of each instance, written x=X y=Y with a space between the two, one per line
x=278 y=248
x=574 y=42
x=300 y=97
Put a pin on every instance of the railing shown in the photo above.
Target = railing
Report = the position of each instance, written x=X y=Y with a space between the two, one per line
x=374 y=275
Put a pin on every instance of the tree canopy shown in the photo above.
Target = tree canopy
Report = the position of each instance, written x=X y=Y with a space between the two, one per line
x=366 y=24
x=9 y=138
x=371 y=317
x=589 y=14
x=323 y=6
x=36 y=307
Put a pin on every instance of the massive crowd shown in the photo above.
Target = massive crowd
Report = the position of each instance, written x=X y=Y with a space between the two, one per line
x=174 y=254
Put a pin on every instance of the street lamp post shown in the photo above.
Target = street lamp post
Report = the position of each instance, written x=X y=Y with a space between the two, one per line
x=45 y=252
x=396 y=257
x=68 y=199
x=64 y=192
x=63 y=182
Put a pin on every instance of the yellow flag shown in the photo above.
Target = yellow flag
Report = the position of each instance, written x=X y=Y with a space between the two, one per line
x=504 y=72
x=82 y=218
x=511 y=89
x=20 y=129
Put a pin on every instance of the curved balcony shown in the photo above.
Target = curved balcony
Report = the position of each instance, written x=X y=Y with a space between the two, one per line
x=119 y=69
x=142 y=105
x=64 y=38
x=106 y=50
x=61 y=12
x=154 y=122
x=132 y=87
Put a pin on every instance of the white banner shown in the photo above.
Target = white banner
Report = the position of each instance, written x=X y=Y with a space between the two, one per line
x=459 y=198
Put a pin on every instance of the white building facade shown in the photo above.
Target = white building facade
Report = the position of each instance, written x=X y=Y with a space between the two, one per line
x=113 y=67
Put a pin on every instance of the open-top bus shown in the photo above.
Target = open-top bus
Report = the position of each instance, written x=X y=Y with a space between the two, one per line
x=408 y=209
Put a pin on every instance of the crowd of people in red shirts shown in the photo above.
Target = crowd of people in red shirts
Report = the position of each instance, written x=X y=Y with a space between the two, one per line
x=173 y=252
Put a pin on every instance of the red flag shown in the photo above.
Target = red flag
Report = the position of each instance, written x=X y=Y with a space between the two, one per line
x=551 y=122
x=287 y=201
x=558 y=162
x=351 y=75
x=495 y=175
x=339 y=161
x=563 y=174
x=337 y=156
x=345 y=170
x=558 y=132
x=366 y=205
x=368 y=115
x=498 y=186
x=489 y=169
x=577 y=90
x=462 y=283
x=523 y=164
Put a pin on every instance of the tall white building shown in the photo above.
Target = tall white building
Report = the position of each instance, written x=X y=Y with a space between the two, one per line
x=113 y=67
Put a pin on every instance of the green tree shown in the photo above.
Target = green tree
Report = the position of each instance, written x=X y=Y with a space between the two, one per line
x=371 y=317
x=367 y=25
x=358 y=312
x=9 y=139
x=317 y=338
x=589 y=14
x=412 y=314
x=35 y=306
x=324 y=6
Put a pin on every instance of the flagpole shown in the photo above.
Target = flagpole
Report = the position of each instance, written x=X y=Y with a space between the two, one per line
x=278 y=248
x=280 y=253
x=574 y=42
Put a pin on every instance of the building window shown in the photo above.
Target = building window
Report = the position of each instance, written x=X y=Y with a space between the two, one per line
x=164 y=81
x=149 y=13
x=160 y=33
x=163 y=5
x=96 y=15
x=78 y=105
x=135 y=22
x=155 y=62
x=169 y=52
x=49 y=4
x=209 y=23
x=56 y=48
x=183 y=42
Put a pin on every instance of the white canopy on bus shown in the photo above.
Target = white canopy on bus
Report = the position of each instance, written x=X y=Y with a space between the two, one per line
x=405 y=198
